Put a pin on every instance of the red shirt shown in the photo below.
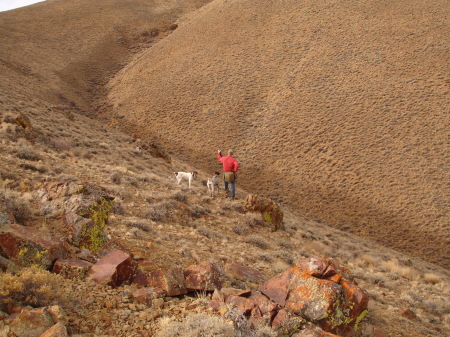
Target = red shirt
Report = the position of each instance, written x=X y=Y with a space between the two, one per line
x=228 y=162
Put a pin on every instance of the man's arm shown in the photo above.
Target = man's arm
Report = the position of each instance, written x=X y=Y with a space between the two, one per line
x=219 y=154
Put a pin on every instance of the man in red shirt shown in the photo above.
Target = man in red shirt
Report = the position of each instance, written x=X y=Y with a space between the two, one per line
x=230 y=168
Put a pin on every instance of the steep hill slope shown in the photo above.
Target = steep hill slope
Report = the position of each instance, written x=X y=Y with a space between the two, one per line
x=339 y=109
x=65 y=51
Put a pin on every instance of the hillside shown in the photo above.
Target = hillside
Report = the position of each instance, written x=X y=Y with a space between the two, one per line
x=337 y=109
x=109 y=87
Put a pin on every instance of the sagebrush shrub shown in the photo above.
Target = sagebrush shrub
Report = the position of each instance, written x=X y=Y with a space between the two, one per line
x=31 y=286
x=16 y=204
x=257 y=241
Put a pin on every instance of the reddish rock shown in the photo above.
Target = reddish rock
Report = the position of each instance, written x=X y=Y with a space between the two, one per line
x=236 y=292
x=171 y=281
x=113 y=269
x=287 y=322
x=58 y=330
x=147 y=295
x=6 y=264
x=356 y=299
x=319 y=267
x=408 y=313
x=265 y=305
x=29 y=246
x=277 y=288
x=204 y=276
x=243 y=273
x=269 y=210
x=31 y=322
x=241 y=305
x=141 y=279
x=310 y=297
x=71 y=268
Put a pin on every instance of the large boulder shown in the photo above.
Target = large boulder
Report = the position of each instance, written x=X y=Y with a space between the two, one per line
x=205 y=276
x=29 y=246
x=316 y=290
x=269 y=209
x=113 y=269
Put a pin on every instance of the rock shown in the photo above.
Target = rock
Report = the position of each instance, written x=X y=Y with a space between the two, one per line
x=408 y=313
x=329 y=300
x=277 y=288
x=85 y=208
x=243 y=273
x=146 y=295
x=57 y=314
x=72 y=268
x=171 y=281
x=204 y=276
x=269 y=210
x=241 y=305
x=113 y=269
x=7 y=265
x=312 y=331
x=29 y=246
x=310 y=297
x=287 y=322
x=265 y=305
x=31 y=322
x=58 y=330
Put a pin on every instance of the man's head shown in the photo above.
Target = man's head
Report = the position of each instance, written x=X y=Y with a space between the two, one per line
x=230 y=152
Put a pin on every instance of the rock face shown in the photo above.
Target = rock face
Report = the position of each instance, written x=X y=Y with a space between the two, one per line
x=268 y=208
x=205 y=276
x=31 y=322
x=28 y=246
x=244 y=273
x=171 y=281
x=314 y=298
x=113 y=269
x=85 y=208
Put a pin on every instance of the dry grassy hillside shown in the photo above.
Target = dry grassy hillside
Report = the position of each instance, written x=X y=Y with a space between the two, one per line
x=65 y=51
x=303 y=149
x=339 y=109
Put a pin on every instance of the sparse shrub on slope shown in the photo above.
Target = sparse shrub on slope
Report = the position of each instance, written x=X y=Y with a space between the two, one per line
x=32 y=286
x=16 y=204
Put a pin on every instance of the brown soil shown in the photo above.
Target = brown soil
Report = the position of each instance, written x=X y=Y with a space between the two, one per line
x=337 y=110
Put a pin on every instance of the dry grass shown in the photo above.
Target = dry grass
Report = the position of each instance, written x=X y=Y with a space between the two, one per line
x=196 y=325
x=432 y=278
x=257 y=241
x=409 y=273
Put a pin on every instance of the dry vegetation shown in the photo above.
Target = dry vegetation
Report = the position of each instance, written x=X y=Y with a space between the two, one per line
x=157 y=221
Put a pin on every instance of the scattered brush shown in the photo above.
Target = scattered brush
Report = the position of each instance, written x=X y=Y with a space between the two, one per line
x=407 y=272
x=210 y=233
x=16 y=204
x=257 y=241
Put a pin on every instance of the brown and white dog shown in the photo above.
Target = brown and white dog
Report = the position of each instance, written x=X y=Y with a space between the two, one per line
x=189 y=176
x=213 y=182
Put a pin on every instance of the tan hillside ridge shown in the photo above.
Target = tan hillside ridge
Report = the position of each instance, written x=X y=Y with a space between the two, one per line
x=54 y=59
x=339 y=109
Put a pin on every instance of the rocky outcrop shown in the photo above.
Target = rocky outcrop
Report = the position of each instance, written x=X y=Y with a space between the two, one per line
x=29 y=246
x=314 y=298
x=85 y=208
x=269 y=209
x=113 y=269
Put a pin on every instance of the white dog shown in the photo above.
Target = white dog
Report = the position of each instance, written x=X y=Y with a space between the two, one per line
x=213 y=182
x=189 y=176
